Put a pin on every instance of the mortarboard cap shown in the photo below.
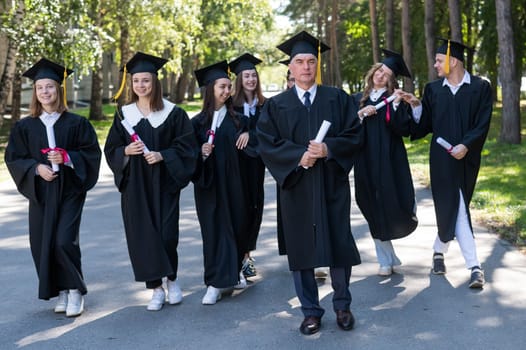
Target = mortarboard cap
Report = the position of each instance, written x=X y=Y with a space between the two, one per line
x=455 y=49
x=45 y=69
x=302 y=42
x=244 y=62
x=396 y=63
x=144 y=63
x=211 y=73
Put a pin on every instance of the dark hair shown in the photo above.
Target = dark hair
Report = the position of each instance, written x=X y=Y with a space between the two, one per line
x=207 y=113
x=156 y=97
x=36 y=108
x=239 y=93
x=369 y=84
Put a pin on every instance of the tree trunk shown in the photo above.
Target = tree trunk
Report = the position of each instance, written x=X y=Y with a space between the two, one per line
x=389 y=25
x=455 y=24
x=406 y=44
x=17 y=97
x=95 y=112
x=8 y=72
x=184 y=79
x=125 y=56
x=335 y=52
x=430 y=34
x=510 y=131
x=374 y=31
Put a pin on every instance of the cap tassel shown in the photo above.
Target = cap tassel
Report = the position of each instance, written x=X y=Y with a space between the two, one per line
x=448 y=52
x=123 y=84
x=64 y=87
x=318 y=68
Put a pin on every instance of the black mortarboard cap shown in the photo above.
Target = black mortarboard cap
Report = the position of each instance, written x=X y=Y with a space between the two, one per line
x=302 y=42
x=396 y=63
x=244 y=62
x=456 y=49
x=211 y=73
x=45 y=69
x=144 y=63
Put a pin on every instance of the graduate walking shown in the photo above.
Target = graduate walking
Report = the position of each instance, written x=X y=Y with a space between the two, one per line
x=151 y=151
x=219 y=189
x=54 y=157
x=313 y=178
x=456 y=108
x=382 y=178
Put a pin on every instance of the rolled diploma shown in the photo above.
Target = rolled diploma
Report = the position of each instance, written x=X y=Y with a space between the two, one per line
x=133 y=134
x=52 y=144
x=325 y=125
x=213 y=128
x=382 y=103
x=444 y=144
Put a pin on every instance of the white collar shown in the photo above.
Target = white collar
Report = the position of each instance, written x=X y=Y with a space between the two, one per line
x=300 y=92
x=466 y=79
x=376 y=94
x=250 y=108
x=133 y=115
x=49 y=119
x=221 y=113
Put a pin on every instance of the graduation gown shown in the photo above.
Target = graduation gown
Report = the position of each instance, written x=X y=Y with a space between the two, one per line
x=221 y=202
x=463 y=118
x=315 y=202
x=150 y=193
x=55 y=208
x=383 y=185
x=253 y=171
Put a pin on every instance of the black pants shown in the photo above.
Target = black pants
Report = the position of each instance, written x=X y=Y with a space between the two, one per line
x=157 y=283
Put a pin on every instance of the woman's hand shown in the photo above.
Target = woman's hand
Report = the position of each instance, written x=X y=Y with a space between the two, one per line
x=206 y=149
x=134 y=148
x=46 y=172
x=153 y=157
x=242 y=140
x=55 y=157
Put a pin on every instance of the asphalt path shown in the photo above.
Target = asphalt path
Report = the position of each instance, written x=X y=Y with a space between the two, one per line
x=412 y=309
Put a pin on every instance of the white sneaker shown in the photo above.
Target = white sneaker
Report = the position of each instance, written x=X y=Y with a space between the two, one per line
x=212 y=296
x=385 y=271
x=75 y=303
x=242 y=282
x=157 y=302
x=175 y=295
x=62 y=302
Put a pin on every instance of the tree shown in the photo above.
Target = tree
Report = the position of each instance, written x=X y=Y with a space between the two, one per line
x=510 y=129
x=430 y=34
x=389 y=25
x=406 y=43
x=374 y=31
x=455 y=24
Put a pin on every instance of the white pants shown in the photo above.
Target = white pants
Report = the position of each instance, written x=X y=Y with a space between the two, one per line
x=464 y=236
x=385 y=253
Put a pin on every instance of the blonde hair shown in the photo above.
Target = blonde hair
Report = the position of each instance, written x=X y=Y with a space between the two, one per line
x=369 y=84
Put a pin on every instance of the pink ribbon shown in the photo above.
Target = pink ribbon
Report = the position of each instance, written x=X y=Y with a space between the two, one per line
x=388 y=112
x=62 y=151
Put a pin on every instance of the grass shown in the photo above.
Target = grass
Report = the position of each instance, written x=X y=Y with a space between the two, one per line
x=499 y=201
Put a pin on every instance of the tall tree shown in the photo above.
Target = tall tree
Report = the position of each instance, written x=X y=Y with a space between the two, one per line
x=389 y=25
x=455 y=23
x=406 y=43
x=430 y=35
x=375 y=42
x=510 y=80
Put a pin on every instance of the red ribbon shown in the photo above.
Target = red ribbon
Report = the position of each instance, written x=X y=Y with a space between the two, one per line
x=211 y=133
x=135 y=137
x=62 y=151
x=388 y=112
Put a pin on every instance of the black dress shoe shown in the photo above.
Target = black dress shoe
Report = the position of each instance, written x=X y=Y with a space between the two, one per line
x=345 y=319
x=310 y=325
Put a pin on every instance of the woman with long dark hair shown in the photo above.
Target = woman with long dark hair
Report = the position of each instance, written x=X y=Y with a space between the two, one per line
x=219 y=190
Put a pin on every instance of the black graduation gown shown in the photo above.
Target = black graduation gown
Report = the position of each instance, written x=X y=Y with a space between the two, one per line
x=383 y=185
x=55 y=208
x=253 y=171
x=463 y=118
x=150 y=193
x=221 y=203
x=315 y=202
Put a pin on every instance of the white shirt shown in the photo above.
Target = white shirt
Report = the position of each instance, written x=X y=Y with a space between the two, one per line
x=250 y=109
x=301 y=92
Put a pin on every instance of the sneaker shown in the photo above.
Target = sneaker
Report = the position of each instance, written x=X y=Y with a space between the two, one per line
x=62 y=302
x=477 y=278
x=75 y=303
x=175 y=295
x=320 y=272
x=212 y=296
x=385 y=271
x=439 y=268
x=242 y=281
x=248 y=268
x=157 y=302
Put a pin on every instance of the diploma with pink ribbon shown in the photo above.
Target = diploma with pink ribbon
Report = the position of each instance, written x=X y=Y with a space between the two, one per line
x=383 y=103
x=212 y=132
x=325 y=125
x=50 y=132
x=447 y=146
x=134 y=136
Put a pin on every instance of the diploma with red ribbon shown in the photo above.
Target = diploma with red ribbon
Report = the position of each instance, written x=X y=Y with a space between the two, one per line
x=52 y=146
x=134 y=136
x=447 y=146
x=212 y=132
x=384 y=102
